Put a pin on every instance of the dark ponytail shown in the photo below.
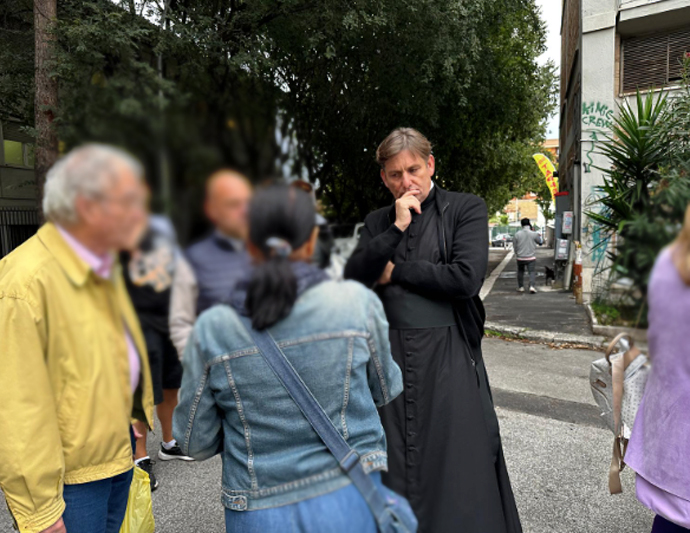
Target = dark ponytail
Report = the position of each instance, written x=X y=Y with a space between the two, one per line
x=281 y=219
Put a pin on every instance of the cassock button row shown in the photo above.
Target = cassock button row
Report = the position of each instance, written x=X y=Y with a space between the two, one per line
x=408 y=354
x=409 y=385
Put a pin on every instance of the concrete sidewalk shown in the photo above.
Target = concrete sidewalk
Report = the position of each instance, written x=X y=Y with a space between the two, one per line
x=496 y=256
x=549 y=316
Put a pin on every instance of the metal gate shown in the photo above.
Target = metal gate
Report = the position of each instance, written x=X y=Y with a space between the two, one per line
x=17 y=224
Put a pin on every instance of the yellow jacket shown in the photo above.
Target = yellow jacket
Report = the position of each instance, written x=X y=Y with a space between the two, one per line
x=66 y=401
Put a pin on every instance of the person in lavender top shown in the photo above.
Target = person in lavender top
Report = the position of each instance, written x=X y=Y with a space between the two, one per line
x=659 y=449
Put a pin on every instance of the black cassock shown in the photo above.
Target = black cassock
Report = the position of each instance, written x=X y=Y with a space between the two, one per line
x=444 y=446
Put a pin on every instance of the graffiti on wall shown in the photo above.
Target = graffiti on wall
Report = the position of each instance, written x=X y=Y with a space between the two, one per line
x=598 y=239
x=597 y=118
x=597 y=115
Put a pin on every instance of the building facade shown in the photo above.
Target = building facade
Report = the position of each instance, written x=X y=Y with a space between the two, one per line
x=609 y=50
x=18 y=196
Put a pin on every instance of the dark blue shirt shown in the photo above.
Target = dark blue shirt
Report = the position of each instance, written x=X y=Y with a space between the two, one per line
x=218 y=265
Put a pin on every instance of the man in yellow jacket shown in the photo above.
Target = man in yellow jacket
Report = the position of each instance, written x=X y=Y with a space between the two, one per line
x=72 y=375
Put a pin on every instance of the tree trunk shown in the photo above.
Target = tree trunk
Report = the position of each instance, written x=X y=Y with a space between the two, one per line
x=46 y=97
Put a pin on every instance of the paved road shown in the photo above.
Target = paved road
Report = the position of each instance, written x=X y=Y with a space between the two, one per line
x=557 y=449
x=557 y=452
x=548 y=310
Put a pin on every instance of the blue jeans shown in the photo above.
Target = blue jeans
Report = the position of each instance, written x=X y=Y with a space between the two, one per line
x=342 y=511
x=98 y=506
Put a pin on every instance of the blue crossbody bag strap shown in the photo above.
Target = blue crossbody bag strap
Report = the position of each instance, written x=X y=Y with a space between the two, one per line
x=334 y=441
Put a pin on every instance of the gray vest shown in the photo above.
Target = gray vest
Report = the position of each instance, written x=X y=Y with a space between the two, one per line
x=217 y=266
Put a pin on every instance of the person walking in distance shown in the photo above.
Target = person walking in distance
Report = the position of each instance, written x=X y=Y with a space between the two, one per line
x=211 y=267
x=278 y=475
x=426 y=256
x=73 y=358
x=659 y=448
x=525 y=244
x=148 y=271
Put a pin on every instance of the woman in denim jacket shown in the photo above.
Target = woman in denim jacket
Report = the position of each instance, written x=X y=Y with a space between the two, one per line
x=277 y=473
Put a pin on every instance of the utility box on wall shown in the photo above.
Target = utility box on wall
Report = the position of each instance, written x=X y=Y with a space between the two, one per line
x=568 y=223
x=562 y=249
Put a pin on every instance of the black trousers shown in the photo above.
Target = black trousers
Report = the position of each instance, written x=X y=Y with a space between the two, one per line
x=531 y=269
x=661 y=525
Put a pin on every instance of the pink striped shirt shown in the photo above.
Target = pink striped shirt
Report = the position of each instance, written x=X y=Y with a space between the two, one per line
x=102 y=265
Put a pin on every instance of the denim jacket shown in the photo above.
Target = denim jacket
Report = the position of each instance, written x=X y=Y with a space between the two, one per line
x=231 y=403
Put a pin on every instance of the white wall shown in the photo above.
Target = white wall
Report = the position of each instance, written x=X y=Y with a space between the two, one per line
x=645 y=8
x=598 y=108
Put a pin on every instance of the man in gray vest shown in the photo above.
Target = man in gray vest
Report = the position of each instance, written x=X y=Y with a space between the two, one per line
x=215 y=264
x=525 y=246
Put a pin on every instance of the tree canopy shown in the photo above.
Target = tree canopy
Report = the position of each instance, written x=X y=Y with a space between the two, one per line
x=308 y=88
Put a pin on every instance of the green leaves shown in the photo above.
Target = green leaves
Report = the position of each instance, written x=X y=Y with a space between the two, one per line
x=636 y=150
x=464 y=73
x=307 y=85
x=647 y=188
x=16 y=60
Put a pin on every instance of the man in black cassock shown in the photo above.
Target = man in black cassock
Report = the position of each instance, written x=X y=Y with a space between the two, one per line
x=426 y=257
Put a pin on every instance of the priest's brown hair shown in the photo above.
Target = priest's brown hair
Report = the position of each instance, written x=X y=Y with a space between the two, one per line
x=403 y=139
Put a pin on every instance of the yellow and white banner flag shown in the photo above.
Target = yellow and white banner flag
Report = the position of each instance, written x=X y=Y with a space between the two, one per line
x=547 y=168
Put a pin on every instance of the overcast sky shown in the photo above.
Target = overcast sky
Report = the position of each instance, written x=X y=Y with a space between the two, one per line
x=551 y=14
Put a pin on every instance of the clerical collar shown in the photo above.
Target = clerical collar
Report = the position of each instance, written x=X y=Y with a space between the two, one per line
x=430 y=198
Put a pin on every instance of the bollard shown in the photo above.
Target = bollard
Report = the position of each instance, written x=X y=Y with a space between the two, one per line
x=577 y=274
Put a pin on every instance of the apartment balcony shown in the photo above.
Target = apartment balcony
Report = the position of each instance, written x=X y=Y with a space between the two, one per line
x=637 y=17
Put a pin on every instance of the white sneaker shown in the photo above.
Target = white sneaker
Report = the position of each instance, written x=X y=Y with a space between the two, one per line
x=532 y=290
x=521 y=289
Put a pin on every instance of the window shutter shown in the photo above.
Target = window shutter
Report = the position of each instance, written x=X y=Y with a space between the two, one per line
x=12 y=131
x=678 y=46
x=654 y=61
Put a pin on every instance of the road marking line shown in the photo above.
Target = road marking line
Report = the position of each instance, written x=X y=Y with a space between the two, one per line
x=489 y=283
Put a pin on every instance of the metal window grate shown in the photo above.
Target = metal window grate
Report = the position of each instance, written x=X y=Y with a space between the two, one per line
x=16 y=225
x=654 y=61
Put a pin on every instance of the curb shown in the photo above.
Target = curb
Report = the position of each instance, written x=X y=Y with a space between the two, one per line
x=491 y=280
x=547 y=337
x=610 y=332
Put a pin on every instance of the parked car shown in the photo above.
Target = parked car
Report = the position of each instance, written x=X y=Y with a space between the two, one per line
x=502 y=240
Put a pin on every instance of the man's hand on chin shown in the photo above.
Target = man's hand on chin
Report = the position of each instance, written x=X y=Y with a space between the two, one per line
x=404 y=206
x=385 y=278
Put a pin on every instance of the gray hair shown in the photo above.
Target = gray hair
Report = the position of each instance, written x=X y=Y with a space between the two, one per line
x=88 y=171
